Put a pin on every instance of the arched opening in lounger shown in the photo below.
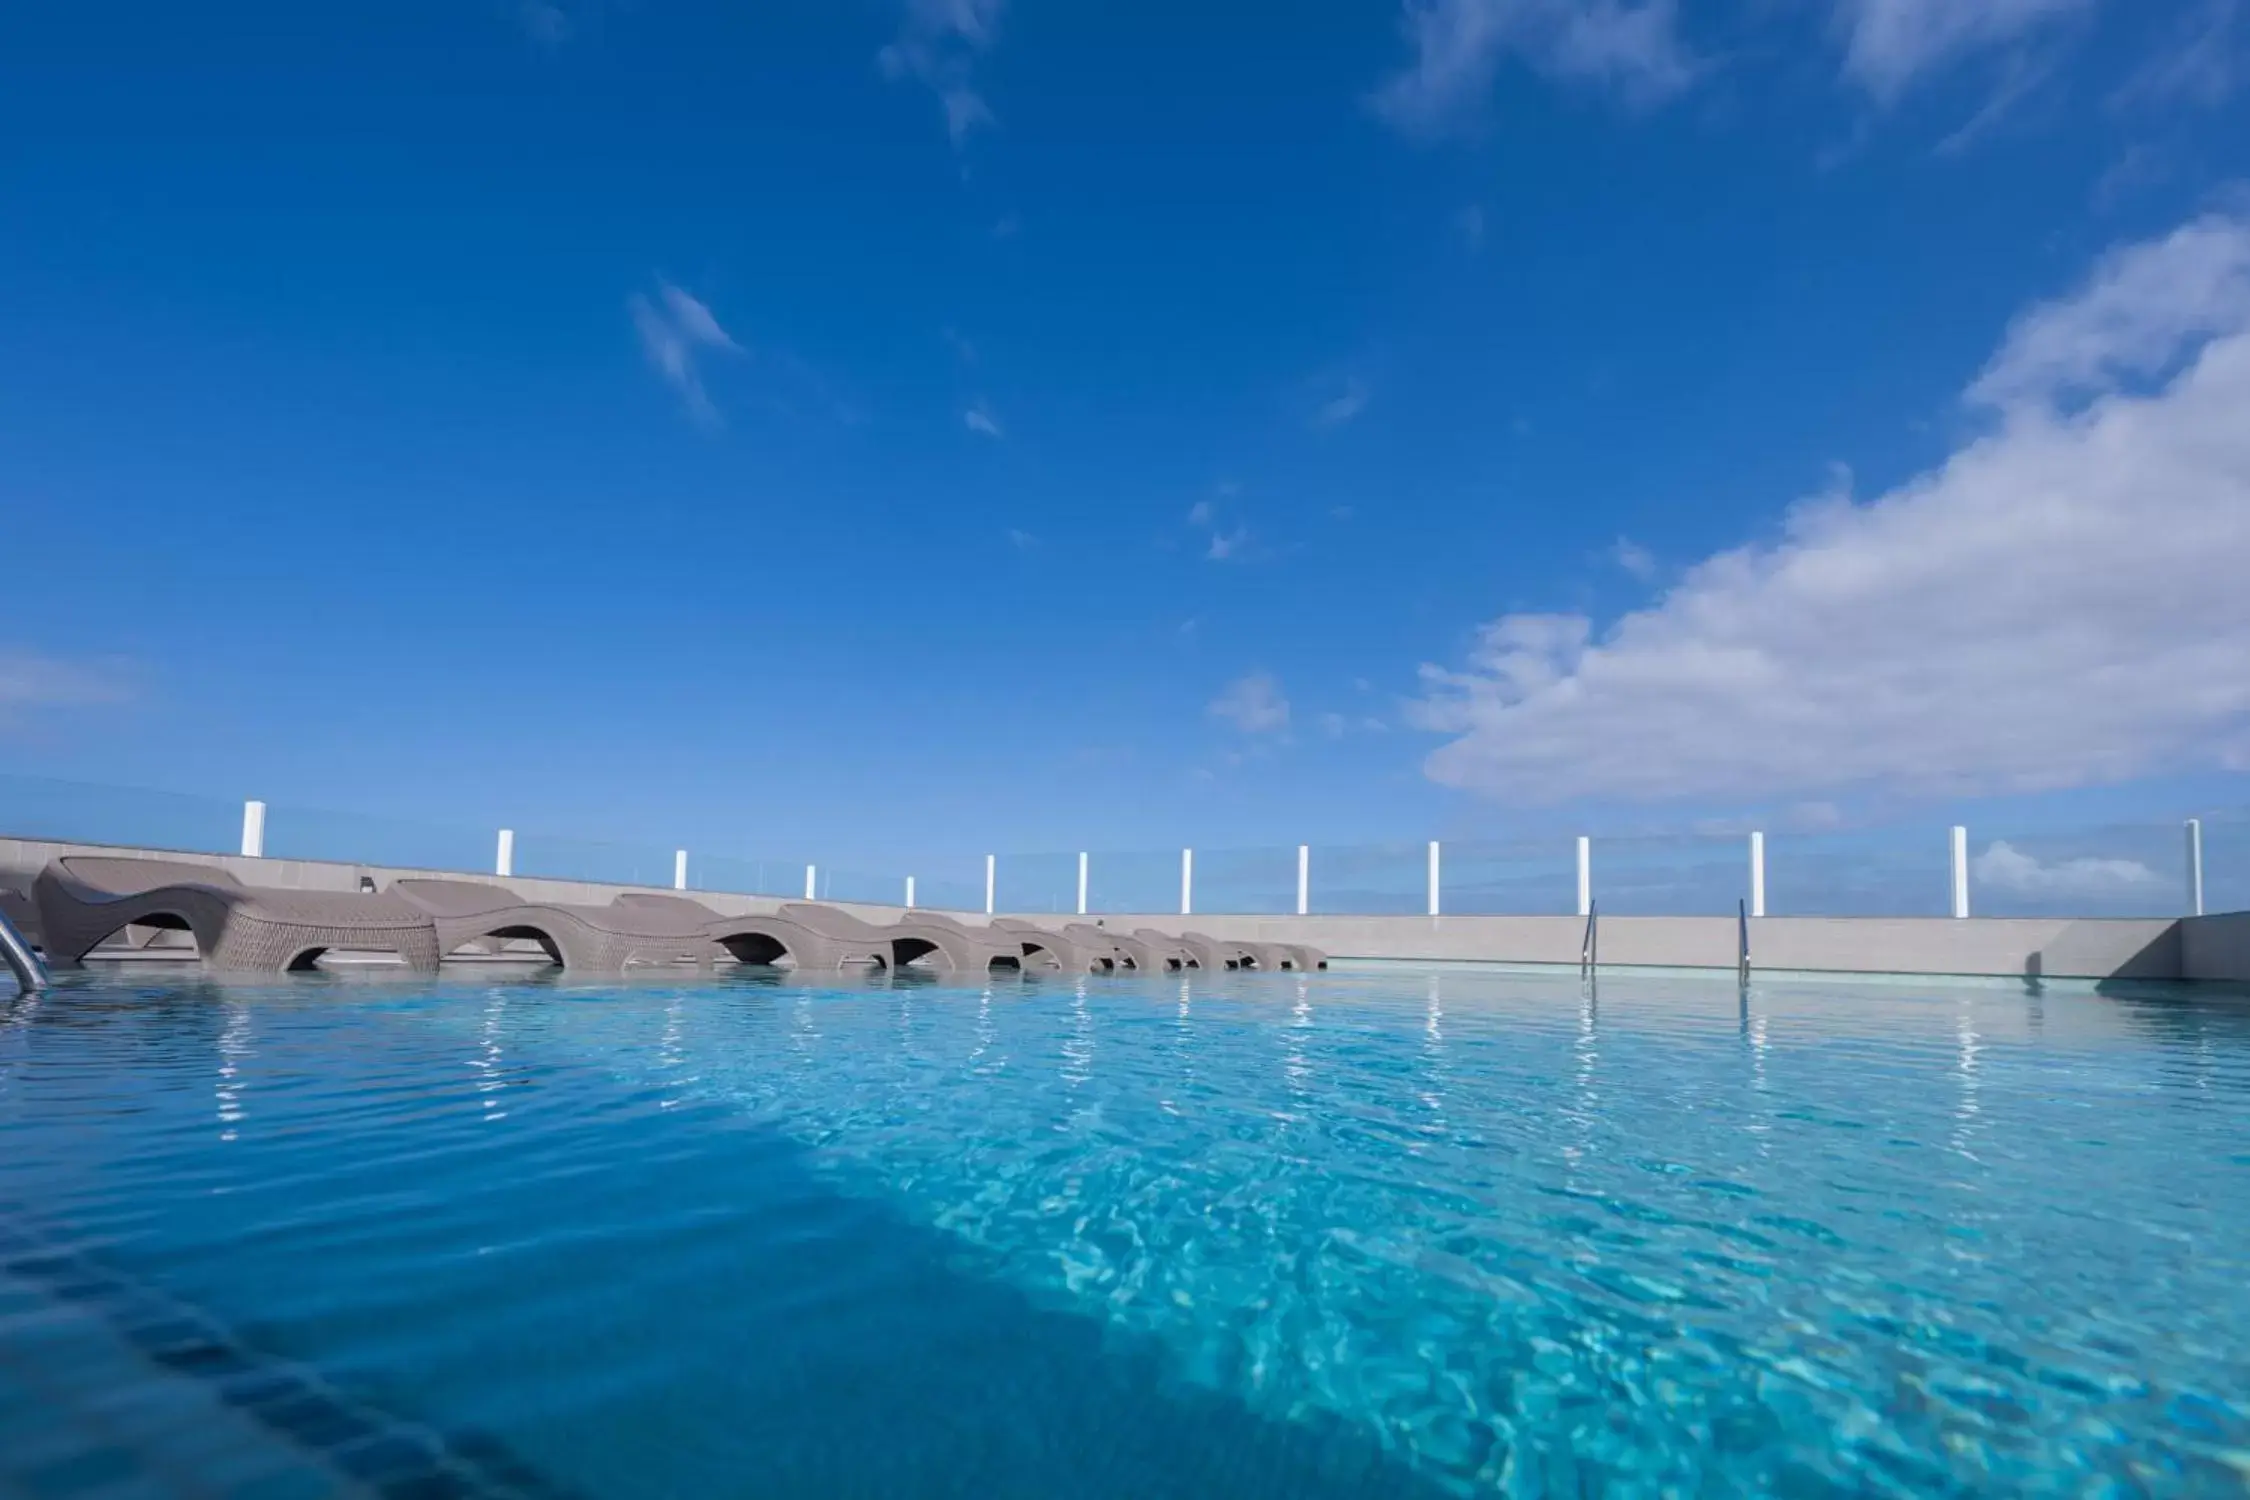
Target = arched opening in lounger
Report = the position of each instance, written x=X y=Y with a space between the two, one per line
x=1005 y=964
x=525 y=934
x=905 y=951
x=158 y=934
x=1048 y=957
x=308 y=960
x=761 y=948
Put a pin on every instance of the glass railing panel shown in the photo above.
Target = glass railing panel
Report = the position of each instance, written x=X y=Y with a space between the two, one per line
x=2126 y=870
x=39 y=807
x=1370 y=879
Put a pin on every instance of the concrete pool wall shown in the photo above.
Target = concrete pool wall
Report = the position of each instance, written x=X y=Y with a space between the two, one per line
x=2213 y=948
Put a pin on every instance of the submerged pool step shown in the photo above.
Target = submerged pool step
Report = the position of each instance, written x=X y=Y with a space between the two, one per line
x=115 y=1381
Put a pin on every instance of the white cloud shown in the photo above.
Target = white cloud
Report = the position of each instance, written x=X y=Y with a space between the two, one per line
x=1021 y=540
x=2005 y=867
x=1335 y=726
x=979 y=418
x=1253 y=705
x=2145 y=307
x=1470 y=223
x=674 y=328
x=1888 y=43
x=1201 y=514
x=2060 y=603
x=1345 y=405
x=1630 y=46
x=938 y=45
x=1634 y=558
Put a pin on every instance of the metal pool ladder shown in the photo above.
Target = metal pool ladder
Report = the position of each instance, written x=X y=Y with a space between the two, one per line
x=1742 y=941
x=1590 y=950
x=31 y=974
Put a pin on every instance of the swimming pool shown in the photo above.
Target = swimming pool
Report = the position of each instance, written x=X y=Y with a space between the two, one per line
x=1384 y=1232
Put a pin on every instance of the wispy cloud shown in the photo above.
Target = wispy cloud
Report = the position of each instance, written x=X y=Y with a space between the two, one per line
x=2058 y=604
x=1220 y=543
x=1630 y=47
x=1338 y=726
x=1469 y=224
x=1889 y=44
x=1344 y=406
x=2005 y=867
x=979 y=418
x=1634 y=558
x=675 y=329
x=31 y=681
x=2144 y=307
x=1253 y=704
x=547 y=23
x=1022 y=541
x=2200 y=62
x=938 y=45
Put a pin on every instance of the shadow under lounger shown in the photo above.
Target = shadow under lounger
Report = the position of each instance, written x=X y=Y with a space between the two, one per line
x=84 y=900
x=601 y=939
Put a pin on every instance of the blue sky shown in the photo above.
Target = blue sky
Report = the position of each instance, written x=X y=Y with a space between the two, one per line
x=908 y=428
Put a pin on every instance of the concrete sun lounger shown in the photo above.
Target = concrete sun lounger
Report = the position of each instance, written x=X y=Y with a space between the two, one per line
x=1166 y=951
x=765 y=938
x=607 y=939
x=938 y=942
x=1217 y=953
x=84 y=900
x=1076 y=948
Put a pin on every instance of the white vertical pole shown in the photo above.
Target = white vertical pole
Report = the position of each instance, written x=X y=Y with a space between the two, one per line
x=1585 y=875
x=910 y=893
x=991 y=880
x=1304 y=879
x=1082 y=882
x=1757 y=874
x=812 y=888
x=2195 y=866
x=1433 y=877
x=1187 y=882
x=254 y=829
x=679 y=869
x=504 y=858
x=1960 y=871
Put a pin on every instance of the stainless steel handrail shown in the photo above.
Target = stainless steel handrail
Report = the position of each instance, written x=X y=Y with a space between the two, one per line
x=1590 y=950
x=30 y=973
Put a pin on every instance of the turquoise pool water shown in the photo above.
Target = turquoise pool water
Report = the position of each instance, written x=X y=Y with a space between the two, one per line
x=1391 y=1233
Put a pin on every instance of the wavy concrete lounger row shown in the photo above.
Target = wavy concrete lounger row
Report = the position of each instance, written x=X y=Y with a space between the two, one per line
x=84 y=902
